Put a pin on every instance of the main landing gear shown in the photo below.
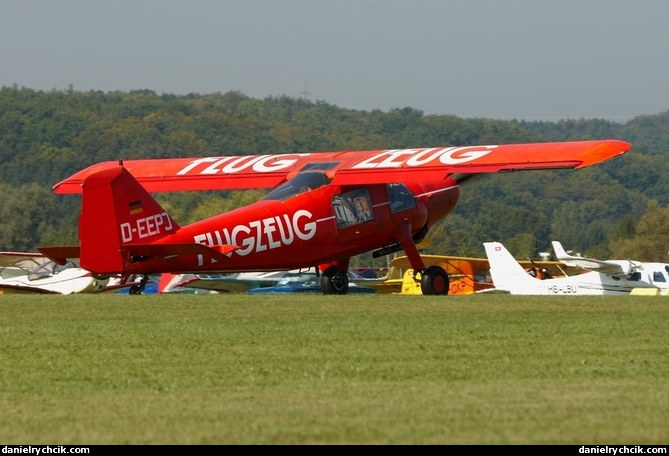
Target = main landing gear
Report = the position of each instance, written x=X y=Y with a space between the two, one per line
x=334 y=281
x=433 y=281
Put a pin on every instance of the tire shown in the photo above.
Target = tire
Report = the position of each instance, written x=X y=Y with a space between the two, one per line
x=135 y=290
x=434 y=281
x=334 y=281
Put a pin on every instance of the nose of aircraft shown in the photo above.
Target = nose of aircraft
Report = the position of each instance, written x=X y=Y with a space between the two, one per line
x=442 y=197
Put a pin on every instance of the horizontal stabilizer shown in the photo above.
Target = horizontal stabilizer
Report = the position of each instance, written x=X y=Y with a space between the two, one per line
x=218 y=252
x=60 y=254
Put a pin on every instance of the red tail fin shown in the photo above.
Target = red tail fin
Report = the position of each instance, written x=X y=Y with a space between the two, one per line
x=115 y=211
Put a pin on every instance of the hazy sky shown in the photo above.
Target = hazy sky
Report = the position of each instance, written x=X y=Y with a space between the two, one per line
x=502 y=59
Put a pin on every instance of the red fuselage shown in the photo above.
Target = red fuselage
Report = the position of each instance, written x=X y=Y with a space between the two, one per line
x=308 y=229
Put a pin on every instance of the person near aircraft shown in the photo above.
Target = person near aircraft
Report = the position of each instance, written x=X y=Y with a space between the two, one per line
x=539 y=273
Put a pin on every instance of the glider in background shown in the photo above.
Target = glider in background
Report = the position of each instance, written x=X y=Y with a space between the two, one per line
x=15 y=264
x=612 y=277
x=48 y=277
x=324 y=208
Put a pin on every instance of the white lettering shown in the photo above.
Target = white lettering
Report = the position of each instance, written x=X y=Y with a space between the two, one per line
x=126 y=232
x=273 y=163
x=216 y=167
x=141 y=228
x=392 y=158
x=269 y=229
x=196 y=163
x=144 y=227
x=420 y=157
x=240 y=164
x=256 y=225
x=247 y=242
x=258 y=163
x=286 y=230
x=426 y=156
x=464 y=154
x=309 y=228
x=200 y=239
x=260 y=235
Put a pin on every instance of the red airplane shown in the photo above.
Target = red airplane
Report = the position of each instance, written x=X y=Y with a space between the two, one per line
x=324 y=208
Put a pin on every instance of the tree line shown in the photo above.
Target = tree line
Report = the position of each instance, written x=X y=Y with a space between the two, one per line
x=616 y=209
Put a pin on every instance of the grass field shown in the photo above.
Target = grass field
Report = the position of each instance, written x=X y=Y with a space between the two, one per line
x=314 y=369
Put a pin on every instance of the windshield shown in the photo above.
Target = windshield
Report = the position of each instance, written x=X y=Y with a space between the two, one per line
x=299 y=184
x=50 y=269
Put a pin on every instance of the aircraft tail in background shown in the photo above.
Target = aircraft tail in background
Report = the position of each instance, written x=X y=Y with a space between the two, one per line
x=506 y=273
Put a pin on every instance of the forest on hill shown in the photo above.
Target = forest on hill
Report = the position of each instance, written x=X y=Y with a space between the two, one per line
x=617 y=209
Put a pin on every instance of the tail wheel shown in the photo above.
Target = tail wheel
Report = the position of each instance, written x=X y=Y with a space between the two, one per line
x=138 y=289
x=334 y=281
x=135 y=290
x=434 y=281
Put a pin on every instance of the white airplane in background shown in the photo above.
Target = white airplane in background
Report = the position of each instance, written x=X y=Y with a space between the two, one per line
x=611 y=277
x=47 y=277
x=14 y=264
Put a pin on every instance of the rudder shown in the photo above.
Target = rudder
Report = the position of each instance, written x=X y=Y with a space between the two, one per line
x=115 y=211
x=506 y=273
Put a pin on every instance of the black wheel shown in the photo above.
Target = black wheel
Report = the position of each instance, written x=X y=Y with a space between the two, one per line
x=434 y=281
x=135 y=290
x=334 y=281
x=138 y=289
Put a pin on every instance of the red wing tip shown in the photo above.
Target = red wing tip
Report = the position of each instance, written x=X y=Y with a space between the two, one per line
x=603 y=151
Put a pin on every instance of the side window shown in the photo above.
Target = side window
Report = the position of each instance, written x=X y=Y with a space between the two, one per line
x=352 y=207
x=400 y=197
x=636 y=276
x=659 y=277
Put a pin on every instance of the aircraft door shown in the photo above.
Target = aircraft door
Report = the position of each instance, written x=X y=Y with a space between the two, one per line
x=354 y=214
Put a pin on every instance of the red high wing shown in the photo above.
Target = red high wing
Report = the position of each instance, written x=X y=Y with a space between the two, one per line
x=354 y=167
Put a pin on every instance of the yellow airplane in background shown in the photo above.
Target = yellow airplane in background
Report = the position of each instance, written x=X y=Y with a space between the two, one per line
x=467 y=275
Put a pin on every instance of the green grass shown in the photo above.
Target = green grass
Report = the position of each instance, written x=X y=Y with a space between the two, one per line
x=313 y=369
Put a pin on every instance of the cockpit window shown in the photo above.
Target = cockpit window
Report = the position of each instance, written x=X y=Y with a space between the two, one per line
x=301 y=183
x=320 y=166
x=400 y=197
x=50 y=269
